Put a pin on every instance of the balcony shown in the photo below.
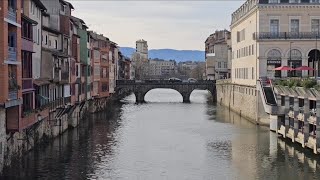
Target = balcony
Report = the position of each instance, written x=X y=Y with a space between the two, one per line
x=12 y=15
x=286 y=35
x=27 y=44
x=59 y=103
x=12 y=54
x=27 y=84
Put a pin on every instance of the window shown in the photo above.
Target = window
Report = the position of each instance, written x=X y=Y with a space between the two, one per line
x=104 y=87
x=294 y=1
x=46 y=39
x=273 y=1
x=56 y=44
x=38 y=36
x=252 y=49
x=314 y=1
x=27 y=30
x=241 y=35
x=31 y=9
x=27 y=102
x=274 y=27
x=62 y=7
x=26 y=64
x=77 y=70
x=315 y=25
x=252 y=73
x=225 y=65
x=12 y=40
x=219 y=64
x=49 y=42
x=294 y=26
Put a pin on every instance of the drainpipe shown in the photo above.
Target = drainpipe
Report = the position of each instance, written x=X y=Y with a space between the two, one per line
x=256 y=51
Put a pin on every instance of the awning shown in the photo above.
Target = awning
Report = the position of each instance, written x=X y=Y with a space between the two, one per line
x=26 y=18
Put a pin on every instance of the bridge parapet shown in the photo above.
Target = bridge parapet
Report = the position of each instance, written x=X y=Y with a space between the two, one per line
x=140 y=88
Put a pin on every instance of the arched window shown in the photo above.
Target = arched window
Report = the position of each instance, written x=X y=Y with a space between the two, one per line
x=295 y=54
x=274 y=54
x=273 y=61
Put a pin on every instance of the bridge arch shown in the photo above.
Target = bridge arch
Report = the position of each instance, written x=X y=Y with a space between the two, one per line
x=163 y=95
x=140 y=89
x=185 y=93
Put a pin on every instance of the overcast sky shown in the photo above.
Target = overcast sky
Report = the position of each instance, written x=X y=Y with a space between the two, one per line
x=164 y=24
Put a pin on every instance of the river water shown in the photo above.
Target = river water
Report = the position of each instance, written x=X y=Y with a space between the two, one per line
x=166 y=139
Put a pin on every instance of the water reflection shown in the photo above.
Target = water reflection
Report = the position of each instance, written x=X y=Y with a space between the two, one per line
x=160 y=140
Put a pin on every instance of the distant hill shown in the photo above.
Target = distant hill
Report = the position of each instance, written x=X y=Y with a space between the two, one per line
x=169 y=54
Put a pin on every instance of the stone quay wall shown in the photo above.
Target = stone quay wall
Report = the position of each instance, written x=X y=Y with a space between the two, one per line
x=244 y=100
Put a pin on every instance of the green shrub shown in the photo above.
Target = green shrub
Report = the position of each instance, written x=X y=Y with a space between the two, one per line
x=294 y=83
x=309 y=83
x=317 y=87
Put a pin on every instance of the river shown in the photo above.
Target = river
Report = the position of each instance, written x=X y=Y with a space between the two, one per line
x=166 y=139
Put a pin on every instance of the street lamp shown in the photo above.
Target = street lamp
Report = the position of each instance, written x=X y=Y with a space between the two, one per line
x=316 y=58
x=290 y=55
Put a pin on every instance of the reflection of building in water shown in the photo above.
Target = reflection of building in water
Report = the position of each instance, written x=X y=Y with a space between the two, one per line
x=298 y=158
x=265 y=156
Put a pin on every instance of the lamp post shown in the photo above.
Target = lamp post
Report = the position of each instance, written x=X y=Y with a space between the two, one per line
x=316 y=58
x=290 y=55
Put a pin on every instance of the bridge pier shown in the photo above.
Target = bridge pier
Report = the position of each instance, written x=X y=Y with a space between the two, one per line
x=186 y=97
x=139 y=97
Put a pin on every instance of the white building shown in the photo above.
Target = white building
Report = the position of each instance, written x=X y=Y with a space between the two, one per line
x=217 y=55
x=158 y=68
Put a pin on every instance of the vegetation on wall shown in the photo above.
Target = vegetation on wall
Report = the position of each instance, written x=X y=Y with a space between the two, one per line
x=298 y=82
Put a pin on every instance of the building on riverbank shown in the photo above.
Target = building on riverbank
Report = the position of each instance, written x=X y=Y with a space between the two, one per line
x=217 y=47
x=51 y=73
x=266 y=35
x=269 y=34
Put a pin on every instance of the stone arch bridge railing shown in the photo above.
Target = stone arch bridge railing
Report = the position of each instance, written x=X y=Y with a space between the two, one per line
x=141 y=88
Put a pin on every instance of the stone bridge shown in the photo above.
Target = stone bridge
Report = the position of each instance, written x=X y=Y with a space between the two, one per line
x=141 y=88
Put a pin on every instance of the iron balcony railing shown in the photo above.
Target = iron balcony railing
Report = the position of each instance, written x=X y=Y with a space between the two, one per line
x=12 y=15
x=12 y=54
x=60 y=102
x=285 y=35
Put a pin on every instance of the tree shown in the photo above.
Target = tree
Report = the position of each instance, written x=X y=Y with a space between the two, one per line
x=198 y=71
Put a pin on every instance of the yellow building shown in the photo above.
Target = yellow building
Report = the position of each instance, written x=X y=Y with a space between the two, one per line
x=270 y=33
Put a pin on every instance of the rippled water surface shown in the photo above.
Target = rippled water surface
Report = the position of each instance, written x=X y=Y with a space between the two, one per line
x=166 y=139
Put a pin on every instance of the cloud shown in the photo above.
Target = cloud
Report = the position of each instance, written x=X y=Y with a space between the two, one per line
x=164 y=24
